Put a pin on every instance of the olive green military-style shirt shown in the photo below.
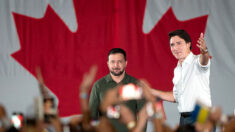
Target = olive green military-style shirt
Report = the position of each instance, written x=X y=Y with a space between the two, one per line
x=97 y=94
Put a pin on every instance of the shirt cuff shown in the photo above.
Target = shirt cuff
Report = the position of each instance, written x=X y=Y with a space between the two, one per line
x=175 y=95
x=203 y=67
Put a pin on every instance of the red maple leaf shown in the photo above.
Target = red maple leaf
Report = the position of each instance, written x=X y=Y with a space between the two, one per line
x=64 y=56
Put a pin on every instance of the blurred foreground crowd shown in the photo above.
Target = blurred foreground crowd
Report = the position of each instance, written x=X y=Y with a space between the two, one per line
x=47 y=119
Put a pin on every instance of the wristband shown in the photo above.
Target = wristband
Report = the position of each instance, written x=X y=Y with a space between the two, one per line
x=204 y=51
x=83 y=95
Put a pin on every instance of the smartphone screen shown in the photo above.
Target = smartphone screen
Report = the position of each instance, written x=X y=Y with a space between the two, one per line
x=49 y=109
x=159 y=110
x=130 y=91
x=17 y=120
x=113 y=111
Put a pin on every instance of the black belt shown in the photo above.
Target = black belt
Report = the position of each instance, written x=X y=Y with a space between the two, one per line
x=185 y=114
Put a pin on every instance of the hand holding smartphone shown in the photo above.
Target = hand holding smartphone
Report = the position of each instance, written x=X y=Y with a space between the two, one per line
x=113 y=112
x=130 y=91
x=49 y=109
x=45 y=108
x=17 y=120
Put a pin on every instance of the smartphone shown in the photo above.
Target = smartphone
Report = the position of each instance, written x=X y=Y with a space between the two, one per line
x=45 y=108
x=17 y=120
x=49 y=109
x=113 y=112
x=159 y=110
x=130 y=91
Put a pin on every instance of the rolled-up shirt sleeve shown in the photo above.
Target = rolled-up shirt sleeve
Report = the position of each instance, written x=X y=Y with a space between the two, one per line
x=203 y=67
x=175 y=94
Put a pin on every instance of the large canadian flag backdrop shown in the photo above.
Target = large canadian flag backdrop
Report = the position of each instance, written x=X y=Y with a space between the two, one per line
x=66 y=37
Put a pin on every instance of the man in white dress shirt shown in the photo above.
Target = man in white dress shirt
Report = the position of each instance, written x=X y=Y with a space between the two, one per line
x=191 y=75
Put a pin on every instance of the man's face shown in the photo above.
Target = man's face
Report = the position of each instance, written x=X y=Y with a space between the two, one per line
x=179 y=48
x=116 y=64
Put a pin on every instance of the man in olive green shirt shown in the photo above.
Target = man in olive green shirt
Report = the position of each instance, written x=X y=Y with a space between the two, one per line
x=116 y=64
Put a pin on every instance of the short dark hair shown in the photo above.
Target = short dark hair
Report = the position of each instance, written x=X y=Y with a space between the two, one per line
x=117 y=50
x=186 y=128
x=182 y=34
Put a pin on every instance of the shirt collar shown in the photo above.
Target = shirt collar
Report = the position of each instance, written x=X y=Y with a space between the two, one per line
x=188 y=59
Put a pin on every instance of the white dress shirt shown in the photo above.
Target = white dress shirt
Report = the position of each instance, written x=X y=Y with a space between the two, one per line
x=191 y=83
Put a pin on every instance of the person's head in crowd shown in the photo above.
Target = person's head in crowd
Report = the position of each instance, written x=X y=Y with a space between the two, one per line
x=5 y=122
x=105 y=125
x=117 y=61
x=2 y=118
x=230 y=125
x=180 y=44
x=2 y=112
x=186 y=128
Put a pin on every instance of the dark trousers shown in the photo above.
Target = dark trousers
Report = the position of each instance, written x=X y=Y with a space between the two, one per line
x=185 y=119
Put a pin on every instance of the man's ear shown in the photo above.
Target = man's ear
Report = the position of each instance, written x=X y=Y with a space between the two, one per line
x=189 y=45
